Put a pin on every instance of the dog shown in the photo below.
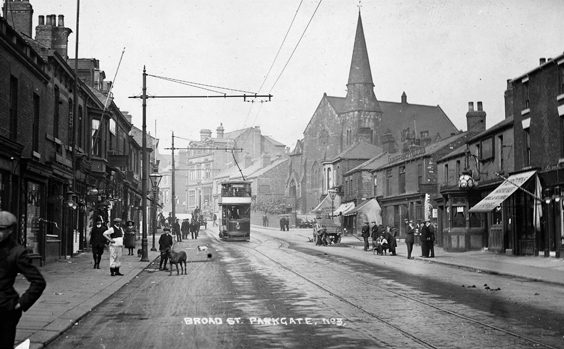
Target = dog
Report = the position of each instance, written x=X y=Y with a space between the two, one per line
x=140 y=253
x=177 y=258
x=202 y=248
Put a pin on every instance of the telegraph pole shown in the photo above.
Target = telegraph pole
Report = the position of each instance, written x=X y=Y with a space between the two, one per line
x=172 y=189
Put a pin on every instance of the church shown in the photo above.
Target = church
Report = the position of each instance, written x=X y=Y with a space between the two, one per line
x=339 y=123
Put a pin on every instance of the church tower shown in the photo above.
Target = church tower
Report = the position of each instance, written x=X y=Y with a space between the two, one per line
x=361 y=113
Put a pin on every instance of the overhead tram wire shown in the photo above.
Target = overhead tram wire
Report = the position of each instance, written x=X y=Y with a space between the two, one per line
x=274 y=60
x=201 y=86
x=296 y=47
x=293 y=51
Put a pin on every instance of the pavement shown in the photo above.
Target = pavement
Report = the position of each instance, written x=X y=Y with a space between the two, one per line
x=74 y=288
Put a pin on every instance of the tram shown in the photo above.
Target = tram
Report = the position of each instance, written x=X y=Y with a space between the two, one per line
x=235 y=204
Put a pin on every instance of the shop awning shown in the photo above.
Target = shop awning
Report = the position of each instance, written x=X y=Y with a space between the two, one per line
x=343 y=208
x=369 y=211
x=505 y=190
x=325 y=204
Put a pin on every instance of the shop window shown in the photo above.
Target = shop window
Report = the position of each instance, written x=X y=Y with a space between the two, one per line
x=458 y=218
x=475 y=220
x=497 y=215
x=33 y=217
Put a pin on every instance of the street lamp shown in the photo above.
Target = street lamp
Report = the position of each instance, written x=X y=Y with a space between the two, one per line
x=332 y=194
x=155 y=181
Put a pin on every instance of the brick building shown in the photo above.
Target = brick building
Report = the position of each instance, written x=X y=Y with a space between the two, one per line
x=340 y=122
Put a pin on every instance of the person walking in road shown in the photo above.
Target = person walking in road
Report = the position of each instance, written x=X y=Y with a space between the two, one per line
x=165 y=244
x=115 y=236
x=410 y=239
x=365 y=233
x=129 y=240
x=13 y=260
x=214 y=220
x=98 y=241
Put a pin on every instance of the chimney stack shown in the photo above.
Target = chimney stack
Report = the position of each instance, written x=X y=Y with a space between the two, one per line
x=53 y=35
x=475 y=119
x=19 y=15
x=542 y=61
x=403 y=98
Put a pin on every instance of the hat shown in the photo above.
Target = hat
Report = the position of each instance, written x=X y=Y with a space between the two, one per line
x=130 y=223
x=166 y=229
x=7 y=219
x=117 y=220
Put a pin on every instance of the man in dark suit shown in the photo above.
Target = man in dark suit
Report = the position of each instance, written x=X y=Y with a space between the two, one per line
x=165 y=244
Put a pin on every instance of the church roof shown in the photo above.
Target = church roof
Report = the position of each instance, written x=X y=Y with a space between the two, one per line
x=417 y=117
x=360 y=150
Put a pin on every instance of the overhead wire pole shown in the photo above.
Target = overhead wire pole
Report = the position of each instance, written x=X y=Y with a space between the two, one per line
x=172 y=188
x=144 y=97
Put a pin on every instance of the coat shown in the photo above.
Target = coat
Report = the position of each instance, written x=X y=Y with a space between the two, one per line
x=365 y=231
x=15 y=260
x=410 y=238
x=129 y=241
x=165 y=242
x=97 y=238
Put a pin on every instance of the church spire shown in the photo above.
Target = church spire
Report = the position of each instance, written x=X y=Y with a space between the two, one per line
x=360 y=88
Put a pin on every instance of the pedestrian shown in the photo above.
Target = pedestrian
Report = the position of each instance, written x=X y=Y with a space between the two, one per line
x=287 y=223
x=214 y=220
x=365 y=233
x=176 y=230
x=129 y=240
x=193 y=225
x=431 y=240
x=185 y=228
x=98 y=241
x=391 y=240
x=410 y=239
x=165 y=244
x=424 y=230
x=282 y=225
x=14 y=259
x=115 y=236
x=374 y=234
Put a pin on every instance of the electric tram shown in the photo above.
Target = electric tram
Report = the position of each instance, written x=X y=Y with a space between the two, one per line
x=235 y=204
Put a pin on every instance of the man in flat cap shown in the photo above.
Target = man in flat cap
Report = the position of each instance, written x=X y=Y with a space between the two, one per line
x=115 y=236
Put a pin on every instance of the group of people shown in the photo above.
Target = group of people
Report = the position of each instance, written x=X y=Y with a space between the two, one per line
x=383 y=238
x=426 y=233
x=116 y=238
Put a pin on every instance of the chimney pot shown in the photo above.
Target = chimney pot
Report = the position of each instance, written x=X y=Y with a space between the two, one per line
x=470 y=106
x=542 y=61
x=480 y=106
x=61 y=21
x=41 y=20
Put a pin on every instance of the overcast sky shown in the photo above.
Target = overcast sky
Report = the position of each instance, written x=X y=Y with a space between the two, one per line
x=440 y=52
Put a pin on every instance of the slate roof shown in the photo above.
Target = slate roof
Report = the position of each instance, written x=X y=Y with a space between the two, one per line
x=360 y=150
x=369 y=165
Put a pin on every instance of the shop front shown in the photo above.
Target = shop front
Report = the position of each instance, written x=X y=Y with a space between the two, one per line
x=512 y=214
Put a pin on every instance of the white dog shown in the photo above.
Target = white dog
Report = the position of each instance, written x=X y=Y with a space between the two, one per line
x=202 y=248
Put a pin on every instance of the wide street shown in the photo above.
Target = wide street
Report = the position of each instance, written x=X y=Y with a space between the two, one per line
x=279 y=290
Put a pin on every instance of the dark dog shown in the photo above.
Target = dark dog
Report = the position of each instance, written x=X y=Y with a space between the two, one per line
x=177 y=258
x=139 y=253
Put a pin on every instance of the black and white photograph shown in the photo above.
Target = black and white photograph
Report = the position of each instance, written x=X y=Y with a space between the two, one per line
x=281 y=174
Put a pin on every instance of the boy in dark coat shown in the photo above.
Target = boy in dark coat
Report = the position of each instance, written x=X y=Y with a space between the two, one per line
x=165 y=244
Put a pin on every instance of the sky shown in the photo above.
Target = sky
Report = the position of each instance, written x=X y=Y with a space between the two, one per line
x=440 y=52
